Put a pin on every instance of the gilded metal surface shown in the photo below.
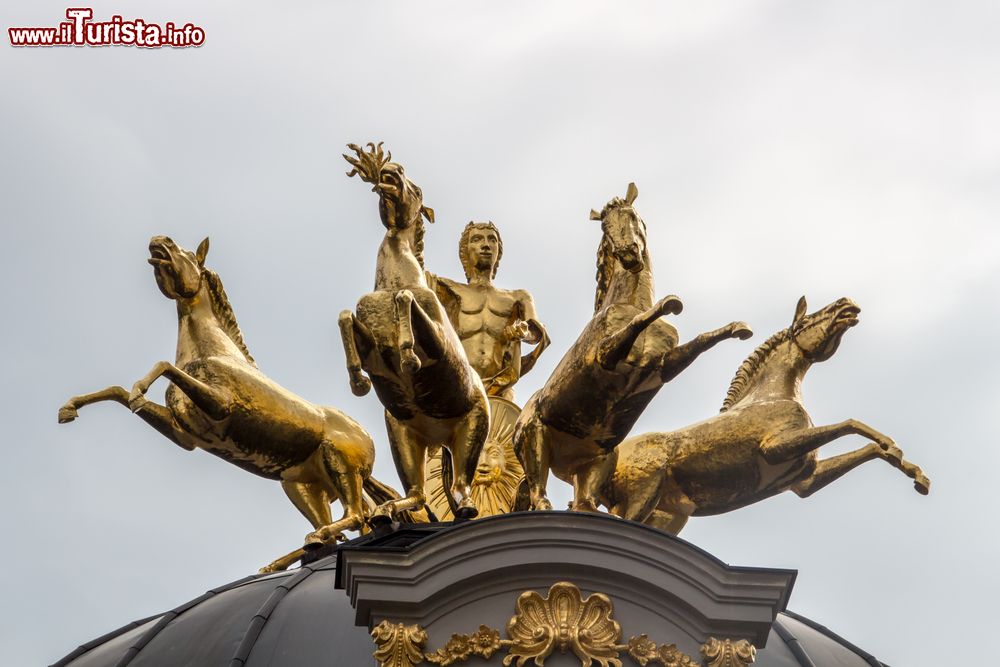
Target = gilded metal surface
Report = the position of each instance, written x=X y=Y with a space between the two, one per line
x=398 y=645
x=727 y=653
x=498 y=474
x=611 y=373
x=566 y=621
x=219 y=401
x=492 y=324
x=762 y=443
x=563 y=620
x=401 y=337
x=646 y=652
x=483 y=643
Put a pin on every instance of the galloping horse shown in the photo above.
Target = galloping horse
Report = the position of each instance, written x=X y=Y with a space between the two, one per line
x=220 y=402
x=403 y=339
x=761 y=444
x=612 y=372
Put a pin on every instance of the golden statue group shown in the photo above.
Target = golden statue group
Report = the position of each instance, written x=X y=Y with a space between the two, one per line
x=443 y=357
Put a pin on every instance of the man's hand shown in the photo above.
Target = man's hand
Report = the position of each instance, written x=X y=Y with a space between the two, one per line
x=519 y=330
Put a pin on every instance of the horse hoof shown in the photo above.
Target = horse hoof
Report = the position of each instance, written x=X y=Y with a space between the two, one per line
x=361 y=386
x=313 y=540
x=67 y=414
x=586 y=506
x=379 y=519
x=922 y=484
x=409 y=361
x=670 y=305
x=543 y=505
x=742 y=331
x=466 y=511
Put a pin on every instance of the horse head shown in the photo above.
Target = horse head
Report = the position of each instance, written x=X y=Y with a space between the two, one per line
x=400 y=200
x=818 y=334
x=624 y=231
x=178 y=271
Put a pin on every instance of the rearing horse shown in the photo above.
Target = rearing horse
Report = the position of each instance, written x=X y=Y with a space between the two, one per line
x=403 y=339
x=219 y=401
x=761 y=444
x=612 y=372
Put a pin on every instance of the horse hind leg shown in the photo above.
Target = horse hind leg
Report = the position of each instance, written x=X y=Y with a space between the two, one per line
x=666 y=521
x=344 y=481
x=532 y=449
x=408 y=453
x=466 y=446
x=311 y=500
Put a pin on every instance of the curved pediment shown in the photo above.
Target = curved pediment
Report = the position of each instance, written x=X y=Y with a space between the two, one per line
x=451 y=579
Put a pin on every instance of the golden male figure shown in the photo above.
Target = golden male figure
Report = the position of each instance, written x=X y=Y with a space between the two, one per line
x=491 y=323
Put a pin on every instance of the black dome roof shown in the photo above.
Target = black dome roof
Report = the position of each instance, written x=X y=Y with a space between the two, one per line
x=302 y=618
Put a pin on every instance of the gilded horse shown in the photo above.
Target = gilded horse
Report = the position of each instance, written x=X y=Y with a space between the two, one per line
x=401 y=337
x=761 y=444
x=219 y=401
x=614 y=369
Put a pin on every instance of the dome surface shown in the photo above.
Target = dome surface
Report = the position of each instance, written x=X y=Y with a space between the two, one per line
x=316 y=616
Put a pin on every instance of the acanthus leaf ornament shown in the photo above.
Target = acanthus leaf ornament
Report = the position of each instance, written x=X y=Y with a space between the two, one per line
x=399 y=645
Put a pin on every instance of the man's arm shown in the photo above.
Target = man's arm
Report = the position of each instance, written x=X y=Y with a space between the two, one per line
x=536 y=331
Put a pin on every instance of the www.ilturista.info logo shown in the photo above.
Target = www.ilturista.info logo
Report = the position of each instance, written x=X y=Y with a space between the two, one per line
x=80 y=30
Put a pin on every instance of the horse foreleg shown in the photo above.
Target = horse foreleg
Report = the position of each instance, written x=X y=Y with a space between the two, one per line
x=615 y=347
x=409 y=455
x=680 y=357
x=408 y=360
x=211 y=401
x=794 y=443
x=350 y=327
x=68 y=412
x=157 y=416
x=465 y=447
x=788 y=445
x=831 y=469
x=427 y=333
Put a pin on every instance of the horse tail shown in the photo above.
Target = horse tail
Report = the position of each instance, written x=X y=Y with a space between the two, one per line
x=382 y=493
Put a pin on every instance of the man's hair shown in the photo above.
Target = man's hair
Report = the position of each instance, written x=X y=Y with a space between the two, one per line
x=463 y=247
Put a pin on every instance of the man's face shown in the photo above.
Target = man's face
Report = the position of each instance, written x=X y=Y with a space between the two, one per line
x=483 y=248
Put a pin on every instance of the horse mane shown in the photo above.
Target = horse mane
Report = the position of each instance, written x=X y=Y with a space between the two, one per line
x=751 y=367
x=418 y=241
x=224 y=312
x=605 y=269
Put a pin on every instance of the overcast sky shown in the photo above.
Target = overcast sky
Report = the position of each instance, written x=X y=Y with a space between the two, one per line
x=780 y=148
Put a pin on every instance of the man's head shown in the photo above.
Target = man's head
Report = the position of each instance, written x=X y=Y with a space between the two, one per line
x=480 y=248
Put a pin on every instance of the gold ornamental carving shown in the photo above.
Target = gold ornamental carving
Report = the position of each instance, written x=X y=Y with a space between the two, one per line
x=399 y=645
x=563 y=620
x=727 y=653
x=566 y=621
